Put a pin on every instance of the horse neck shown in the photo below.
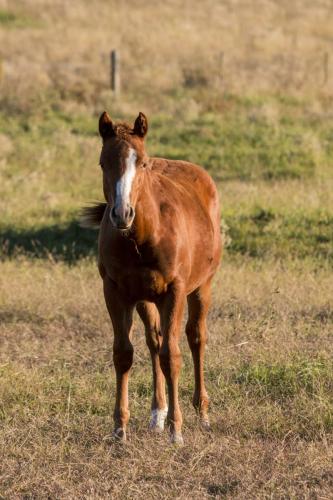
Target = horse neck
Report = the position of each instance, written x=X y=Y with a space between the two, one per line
x=147 y=221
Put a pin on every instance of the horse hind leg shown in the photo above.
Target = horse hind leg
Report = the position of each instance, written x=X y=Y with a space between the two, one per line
x=196 y=331
x=149 y=314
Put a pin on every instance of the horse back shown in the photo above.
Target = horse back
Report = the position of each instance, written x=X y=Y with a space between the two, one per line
x=195 y=182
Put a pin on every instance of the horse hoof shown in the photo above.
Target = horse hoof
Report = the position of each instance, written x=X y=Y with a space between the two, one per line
x=119 y=435
x=157 y=420
x=205 y=425
x=177 y=438
x=156 y=429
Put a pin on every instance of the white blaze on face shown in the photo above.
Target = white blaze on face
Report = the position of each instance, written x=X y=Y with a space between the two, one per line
x=124 y=184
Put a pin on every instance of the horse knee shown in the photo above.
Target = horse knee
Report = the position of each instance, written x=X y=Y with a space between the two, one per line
x=123 y=358
x=152 y=339
x=196 y=335
x=164 y=356
x=170 y=360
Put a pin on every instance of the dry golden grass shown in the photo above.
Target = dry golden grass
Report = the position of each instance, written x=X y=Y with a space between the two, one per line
x=63 y=48
x=269 y=363
x=271 y=436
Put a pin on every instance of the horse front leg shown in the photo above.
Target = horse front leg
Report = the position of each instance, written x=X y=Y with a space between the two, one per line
x=171 y=312
x=121 y=315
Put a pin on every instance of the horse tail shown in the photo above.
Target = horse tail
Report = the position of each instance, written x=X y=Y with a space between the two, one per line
x=92 y=215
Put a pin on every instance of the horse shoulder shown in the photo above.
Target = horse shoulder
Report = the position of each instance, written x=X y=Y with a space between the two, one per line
x=189 y=175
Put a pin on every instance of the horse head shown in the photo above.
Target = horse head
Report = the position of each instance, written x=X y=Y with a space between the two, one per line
x=123 y=159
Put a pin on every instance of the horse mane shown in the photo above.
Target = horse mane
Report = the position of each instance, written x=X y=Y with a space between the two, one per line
x=92 y=215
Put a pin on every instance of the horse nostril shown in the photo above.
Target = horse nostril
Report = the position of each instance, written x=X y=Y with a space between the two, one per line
x=131 y=212
x=113 y=213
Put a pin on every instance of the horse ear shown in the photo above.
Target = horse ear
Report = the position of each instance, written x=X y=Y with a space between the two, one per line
x=141 y=125
x=105 y=126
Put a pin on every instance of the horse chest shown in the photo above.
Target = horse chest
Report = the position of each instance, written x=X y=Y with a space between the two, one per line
x=137 y=274
x=138 y=283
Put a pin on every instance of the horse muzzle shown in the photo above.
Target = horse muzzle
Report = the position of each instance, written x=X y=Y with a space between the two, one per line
x=122 y=217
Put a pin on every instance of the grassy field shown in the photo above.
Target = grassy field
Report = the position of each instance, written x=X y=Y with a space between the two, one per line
x=269 y=372
x=266 y=136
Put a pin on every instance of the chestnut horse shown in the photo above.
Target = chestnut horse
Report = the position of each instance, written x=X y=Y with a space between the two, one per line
x=159 y=244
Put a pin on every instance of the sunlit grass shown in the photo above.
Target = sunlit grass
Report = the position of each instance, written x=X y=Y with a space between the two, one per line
x=242 y=89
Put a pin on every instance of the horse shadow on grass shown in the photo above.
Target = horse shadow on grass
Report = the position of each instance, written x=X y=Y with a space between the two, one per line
x=59 y=242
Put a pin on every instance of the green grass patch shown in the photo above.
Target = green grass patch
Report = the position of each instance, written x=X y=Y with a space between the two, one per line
x=275 y=399
x=252 y=138
x=238 y=147
x=263 y=232
x=286 y=380
x=10 y=19
x=7 y=18
x=51 y=162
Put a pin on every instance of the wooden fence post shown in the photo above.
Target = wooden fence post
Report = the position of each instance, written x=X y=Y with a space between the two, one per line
x=115 y=73
x=325 y=67
x=221 y=69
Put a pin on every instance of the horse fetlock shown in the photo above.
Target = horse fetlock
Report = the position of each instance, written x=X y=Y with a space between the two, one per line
x=121 y=417
x=157 y=420
x=200 y=403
